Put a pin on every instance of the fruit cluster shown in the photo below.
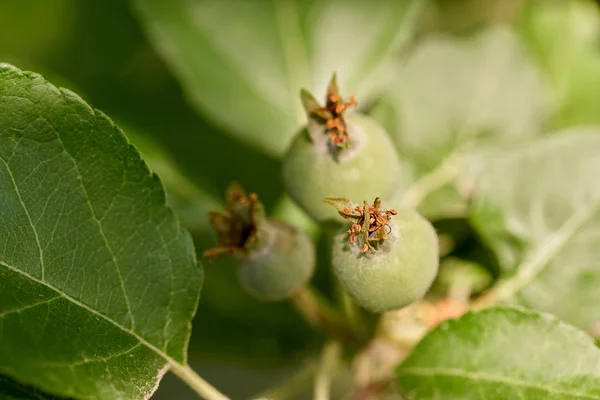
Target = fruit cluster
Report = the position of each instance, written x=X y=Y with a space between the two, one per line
x=384 y=258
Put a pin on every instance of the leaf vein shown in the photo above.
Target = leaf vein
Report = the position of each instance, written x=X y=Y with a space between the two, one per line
x=90 y=360
x=35 y=234
x=95 y=217
x=485 y=377
x=532 y=266
x=32 y=305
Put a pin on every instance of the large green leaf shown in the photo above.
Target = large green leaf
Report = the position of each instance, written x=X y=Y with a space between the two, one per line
x=538 y=208
x=243 y=63
x=503 y=353
x=98 y=281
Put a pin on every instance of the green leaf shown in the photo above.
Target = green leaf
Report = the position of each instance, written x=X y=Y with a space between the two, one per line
x=538 y=208
x=99 y=282
x=564 y=37
x=502 y=353
x=244 y=63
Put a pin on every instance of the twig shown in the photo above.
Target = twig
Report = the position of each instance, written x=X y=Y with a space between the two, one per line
x=319 y=314
x=329 y=359
x=196 y=382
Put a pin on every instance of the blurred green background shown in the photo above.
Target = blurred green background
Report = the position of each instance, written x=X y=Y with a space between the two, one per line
x=128 y=59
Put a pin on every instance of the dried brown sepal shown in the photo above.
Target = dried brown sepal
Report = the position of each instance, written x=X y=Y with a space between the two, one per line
x=237 y=225
x=213 y=253
x=331 y=114
x=369 y=222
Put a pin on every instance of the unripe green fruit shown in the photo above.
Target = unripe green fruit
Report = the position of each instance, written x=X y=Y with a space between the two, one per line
x=369 y=167
x=398 y=272
x=280 y=265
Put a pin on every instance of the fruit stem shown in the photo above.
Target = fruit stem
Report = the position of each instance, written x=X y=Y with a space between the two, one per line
x=204 y=389
x=319 y=314
x=329 y=359
x=350 y=309
x=445 y=173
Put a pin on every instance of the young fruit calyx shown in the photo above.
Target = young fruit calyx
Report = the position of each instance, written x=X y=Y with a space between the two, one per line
x=237 y=225
x=369 y=222
x=331 y=114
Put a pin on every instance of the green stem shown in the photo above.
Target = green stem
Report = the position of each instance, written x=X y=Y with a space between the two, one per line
x=329 y=359
x=350 y=310
x=319 y=314
x=445 y=173
x=204 y=389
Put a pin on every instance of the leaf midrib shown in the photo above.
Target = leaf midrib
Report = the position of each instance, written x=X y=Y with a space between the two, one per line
x=35 y=234
x=78 y=303
x=486 y=377
x=540 y=258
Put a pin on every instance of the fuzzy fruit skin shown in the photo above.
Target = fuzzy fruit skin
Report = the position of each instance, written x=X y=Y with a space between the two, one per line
x=369 y=168
x=398 y=273
x=281 y=265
